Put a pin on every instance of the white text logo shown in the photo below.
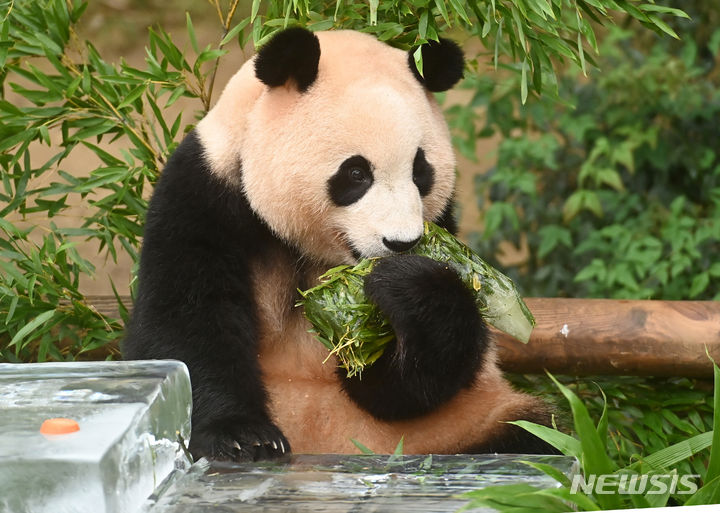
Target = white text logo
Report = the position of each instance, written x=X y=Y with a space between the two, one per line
x=635 y=484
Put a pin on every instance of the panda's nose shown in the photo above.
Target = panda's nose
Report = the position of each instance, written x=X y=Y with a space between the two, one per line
x=398 y=246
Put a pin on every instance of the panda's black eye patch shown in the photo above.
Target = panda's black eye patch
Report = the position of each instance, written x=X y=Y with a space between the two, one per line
x=351 y=181
x=423 y=173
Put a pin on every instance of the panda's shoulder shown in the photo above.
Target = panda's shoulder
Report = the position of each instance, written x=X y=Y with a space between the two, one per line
x=186 y=167
x=188 y=184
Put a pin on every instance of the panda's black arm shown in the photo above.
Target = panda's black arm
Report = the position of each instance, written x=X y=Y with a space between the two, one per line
x=214 y=336
x=194 y=303
x=440 y=339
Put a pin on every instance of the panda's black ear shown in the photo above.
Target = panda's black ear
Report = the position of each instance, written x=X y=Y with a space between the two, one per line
x=293 y=54
x=443 y=65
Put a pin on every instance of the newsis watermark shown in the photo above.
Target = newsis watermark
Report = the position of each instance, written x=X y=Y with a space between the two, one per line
x=635 y=484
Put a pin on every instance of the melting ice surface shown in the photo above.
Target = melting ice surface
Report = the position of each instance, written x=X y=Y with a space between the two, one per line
x=130 y=415
x=346 y=483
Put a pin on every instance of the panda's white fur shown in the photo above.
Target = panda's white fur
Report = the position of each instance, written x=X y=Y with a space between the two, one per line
x=222 y=298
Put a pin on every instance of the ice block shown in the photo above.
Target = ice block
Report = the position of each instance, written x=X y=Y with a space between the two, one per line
x=352 y=484
x=128 y=416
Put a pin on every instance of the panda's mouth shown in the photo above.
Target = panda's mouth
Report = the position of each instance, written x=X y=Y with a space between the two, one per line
x=355 y=252
x=345 y=241
x=359 y=255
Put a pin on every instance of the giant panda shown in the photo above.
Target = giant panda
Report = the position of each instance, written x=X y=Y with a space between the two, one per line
x=323 y=149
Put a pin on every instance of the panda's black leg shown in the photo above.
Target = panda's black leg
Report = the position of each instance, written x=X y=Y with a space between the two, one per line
x=215 y=339
x=440 y=338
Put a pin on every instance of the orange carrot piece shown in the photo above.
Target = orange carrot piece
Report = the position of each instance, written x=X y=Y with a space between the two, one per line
x=59 y=426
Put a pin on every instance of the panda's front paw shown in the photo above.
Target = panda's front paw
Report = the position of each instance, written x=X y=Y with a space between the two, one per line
x=422 y=298
x=439 y=332
x=440 y=338
x=239 y=440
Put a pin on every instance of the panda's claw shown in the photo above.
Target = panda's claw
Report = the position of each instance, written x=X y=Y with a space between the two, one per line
x=239 y=440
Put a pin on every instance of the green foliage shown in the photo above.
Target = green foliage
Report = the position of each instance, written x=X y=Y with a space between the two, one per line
x=60 y=93
x=615 y=192
x=535 y=34
x=644 y=415
x=597 y=456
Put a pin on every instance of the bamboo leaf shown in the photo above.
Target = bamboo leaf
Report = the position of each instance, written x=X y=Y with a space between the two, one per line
x=515 y=498
x=519 y=28
x=663 y=9
x=602 y=426
x=440 y=4
x=594 y=456
x=713 y=470
x=233 y=32
x=708 y=494
x=417 y=57
x=132 y=96
x=589 y=34
x=423 y=24
x=398 y=452
x=254 y=10
x=549 y=470
x=11 y=309
x=566 y=444
x=191 y=33
x=669 y=456
x=536 y=68
x=655 y=20
x=357 y=331
x=487 y=26
x=31 y=326
x=581 y=54
x=460 y=10
x=498 y=38
x=176 y=94
x=565 y=494
x=361 y=447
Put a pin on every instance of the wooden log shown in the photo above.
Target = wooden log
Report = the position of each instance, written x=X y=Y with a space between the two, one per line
x=600 y=336
x=605 y=336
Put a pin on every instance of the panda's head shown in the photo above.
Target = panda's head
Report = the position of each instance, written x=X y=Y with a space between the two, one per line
x=337 y=141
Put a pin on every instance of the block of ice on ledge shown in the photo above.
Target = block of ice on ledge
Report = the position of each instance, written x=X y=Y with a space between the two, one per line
x=343 y=483
x=129 y=416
